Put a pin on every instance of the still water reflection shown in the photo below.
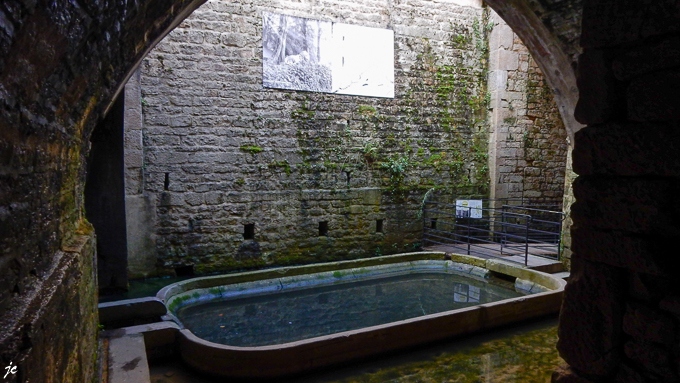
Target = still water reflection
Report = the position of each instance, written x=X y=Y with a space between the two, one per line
x=521 y=354
x=291 y=316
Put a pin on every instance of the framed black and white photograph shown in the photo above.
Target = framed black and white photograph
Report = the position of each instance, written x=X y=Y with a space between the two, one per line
x=320 y=56
x=296 y=53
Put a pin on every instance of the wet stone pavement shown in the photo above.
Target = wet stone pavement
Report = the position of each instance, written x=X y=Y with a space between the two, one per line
x=519 y=354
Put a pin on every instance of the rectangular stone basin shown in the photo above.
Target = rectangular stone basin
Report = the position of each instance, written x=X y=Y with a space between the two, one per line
x=289 y=355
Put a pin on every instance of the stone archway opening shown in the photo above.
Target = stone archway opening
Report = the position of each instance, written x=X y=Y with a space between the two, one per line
x=61 y=70
x=203 y=139
x=61 y=65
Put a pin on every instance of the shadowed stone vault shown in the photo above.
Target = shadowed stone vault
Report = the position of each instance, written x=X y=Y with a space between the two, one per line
x=62 y=64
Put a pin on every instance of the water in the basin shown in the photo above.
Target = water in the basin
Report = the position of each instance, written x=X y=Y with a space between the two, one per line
x=291 y=316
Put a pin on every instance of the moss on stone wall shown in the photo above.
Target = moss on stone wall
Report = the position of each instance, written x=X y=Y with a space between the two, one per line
x=287 y=161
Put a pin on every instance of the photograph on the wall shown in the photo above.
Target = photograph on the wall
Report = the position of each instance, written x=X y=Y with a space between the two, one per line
x=320 y=56
x=296 y=53
x=364 y=61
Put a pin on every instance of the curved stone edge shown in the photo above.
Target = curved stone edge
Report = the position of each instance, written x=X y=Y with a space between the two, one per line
x=212 y=281
x=314 y=353
x=325 y=278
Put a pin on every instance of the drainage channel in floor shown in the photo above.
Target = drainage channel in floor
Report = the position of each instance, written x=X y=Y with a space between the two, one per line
x=524 y=353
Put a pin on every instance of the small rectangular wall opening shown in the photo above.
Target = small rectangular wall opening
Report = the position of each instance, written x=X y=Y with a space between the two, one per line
x=184 y=271
x=433 y=223
x=249 y=231
x=323 y=229
x=166 y=182
x=378 y=225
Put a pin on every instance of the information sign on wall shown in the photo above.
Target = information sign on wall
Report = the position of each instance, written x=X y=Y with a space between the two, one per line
x=469 y=208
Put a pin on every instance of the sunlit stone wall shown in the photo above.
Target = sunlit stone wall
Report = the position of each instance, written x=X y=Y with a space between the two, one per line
x=528 y=140
x=219 y=152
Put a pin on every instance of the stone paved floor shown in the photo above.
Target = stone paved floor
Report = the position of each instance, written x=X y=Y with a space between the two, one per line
x=492 y=251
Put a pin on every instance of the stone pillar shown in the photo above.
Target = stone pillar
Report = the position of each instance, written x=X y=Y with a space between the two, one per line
x=621 y=313
x=567 y=202
x=500 y=58
x=528 y=139
x=139 y=207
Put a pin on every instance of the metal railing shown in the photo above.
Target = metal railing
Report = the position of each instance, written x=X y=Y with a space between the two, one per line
x=501 y=229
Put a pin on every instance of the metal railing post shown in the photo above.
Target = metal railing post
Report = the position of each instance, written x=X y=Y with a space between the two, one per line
x=424 y=225
x=468 y=229
x=502 y=237
x=526 y=240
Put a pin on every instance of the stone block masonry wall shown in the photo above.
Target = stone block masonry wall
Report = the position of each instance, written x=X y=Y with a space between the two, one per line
x=221 y=152
x=55 y=88
x=59 y=68
x=621 y=313
x=528 y=137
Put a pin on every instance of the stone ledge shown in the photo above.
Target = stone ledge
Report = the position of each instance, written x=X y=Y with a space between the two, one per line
x=112 y=312
x=127 y=360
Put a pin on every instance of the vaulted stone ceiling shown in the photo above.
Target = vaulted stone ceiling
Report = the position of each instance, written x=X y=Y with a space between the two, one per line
x=550 y=30
x=60 y=63
x=563 y=18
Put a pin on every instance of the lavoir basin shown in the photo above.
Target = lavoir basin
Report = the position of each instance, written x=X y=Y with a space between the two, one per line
x=283 y=321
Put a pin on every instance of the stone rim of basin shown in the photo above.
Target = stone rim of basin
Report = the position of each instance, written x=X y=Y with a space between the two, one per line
x=317 y=352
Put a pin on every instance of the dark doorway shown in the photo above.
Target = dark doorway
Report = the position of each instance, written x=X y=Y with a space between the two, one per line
x=105 y=199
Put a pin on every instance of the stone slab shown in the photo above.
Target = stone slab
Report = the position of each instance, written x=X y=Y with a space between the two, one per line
x=127 y=360
x=131 y=309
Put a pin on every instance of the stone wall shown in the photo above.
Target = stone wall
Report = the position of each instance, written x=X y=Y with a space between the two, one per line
x=60 y=64
x=528 y=138
x=220 y=152
x=567 y=202
x=620 y=320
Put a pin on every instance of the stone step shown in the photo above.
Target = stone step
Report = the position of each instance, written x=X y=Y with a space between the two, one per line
x=550 y=268
x=127 y=360
x=130 y=312
x=546 y=265
x=492 y=251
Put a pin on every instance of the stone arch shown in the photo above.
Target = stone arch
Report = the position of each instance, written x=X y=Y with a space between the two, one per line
x=552 y=55
x=61 y=65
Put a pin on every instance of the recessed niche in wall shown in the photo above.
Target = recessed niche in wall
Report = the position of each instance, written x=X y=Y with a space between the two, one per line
x=249 y=231
x=433 y=223
x=166 y=182
x=378 y=225
x=184 y=271
x=323 y=229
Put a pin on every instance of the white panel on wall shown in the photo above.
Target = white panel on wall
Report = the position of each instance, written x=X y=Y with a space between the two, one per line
x=319 y=56
x=364 y=61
